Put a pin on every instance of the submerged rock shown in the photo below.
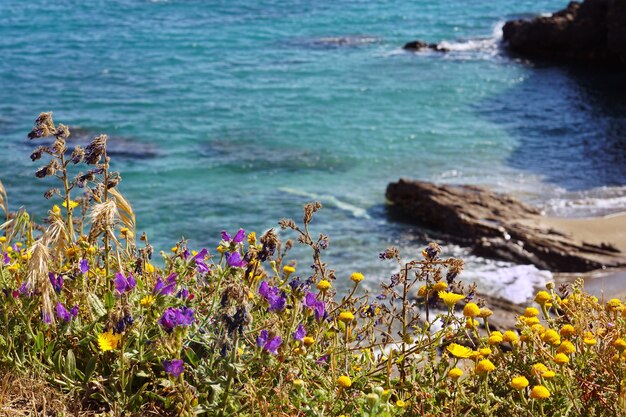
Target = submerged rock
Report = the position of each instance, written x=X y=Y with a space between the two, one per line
x=591 y=31
x=497 y=226
x=416 y=46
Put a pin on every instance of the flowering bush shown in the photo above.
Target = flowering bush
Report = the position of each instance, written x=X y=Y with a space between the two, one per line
x=239 y=330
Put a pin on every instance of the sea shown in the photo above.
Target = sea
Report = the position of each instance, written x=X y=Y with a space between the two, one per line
x=235 y=113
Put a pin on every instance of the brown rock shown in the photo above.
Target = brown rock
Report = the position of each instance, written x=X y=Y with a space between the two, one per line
x=497 y=226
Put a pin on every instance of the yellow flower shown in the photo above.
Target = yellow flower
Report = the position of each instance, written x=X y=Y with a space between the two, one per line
x=549 y=374
x=346 y=316
x=538 y=328
x=459 y=351
x=252 y=238
x=495 y=338
x=471 y=323
x=108 y=341
x=531 y=312
x=519 y=382
x=422 y=291
x=298 y=383
x=510 y=336
x=539 y=392
x=589 y=341
x=567 y=330
x=471 y=310
x=356 y=277
x=126 y=233
x=551 y=337
x=174 y=249
x=485 y=366
x=542 y=297
x=147 y=301
x=450 y=298
x=485 y=312
x=401 y=404
x=561 y=358
x=440 y=286
x=566 y=347
x=73 y=204
x=344 y=381
x=614 y=305
x=289 y=269
x=3 y=239
x=620 y=344
x=531 y=321
x=149 y=268
x=221 y=249
x=323 y=285
x=485 y=351
x=455 y=373
x=539 y=369
x=308 y=340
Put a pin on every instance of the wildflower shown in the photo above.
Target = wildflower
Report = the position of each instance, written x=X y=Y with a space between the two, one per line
x=590 y=341
x=485 y=351
x=274 y=297
x=319 y=307
x=542 y=297
x=510 y=336
x=73 y=204
x=166 y=287
x=561 y=358
x=485 y=312
x=147 y=301
x=308 y=340
x=614 y=305
x=531 y=321
x=62 y=313
x=471 y=310
x=235 y=260
x=539 y=369
x=567 y=330
x=531 y=312
x=149 y=268
x=298 y=383
x=299 y=333
x=519 y=382
x=450 y=298
x=423 y=291
x=566 y=347
x=440 y=286
x=83 y=266
x=74 y=311
x=357 y=277
x=323 y=285
x=271 y=345
x=620 y=344
x=551 y=337
x=108 y=341
x=539 y=392
x=459 y=351
x=401 y=404
x=538 y=328
x=173 y=317
x=495 y=338
x=123 y=284
x=288 y=269
x=344 y=381
x=346 y=316
x=56 y=281
x=471 y=323
x=126 y=233
x=175 y=367
x=485 y=366
x=252 y=238
x=455 y=373
x=549 y=374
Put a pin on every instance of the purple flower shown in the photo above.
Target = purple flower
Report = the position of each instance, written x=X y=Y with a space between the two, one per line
x=201 y=266
x=6 y=258
x=173 y=317
x=183 y=294
x=175 y=367
x=25 y=289
x=240 y=236
x=235 y=260
x=322 y=360
x=46 y=318
x=84 y=266
x=62 y=313
x=123 y=284
x=270 y=345
x=274 y=297
x=56 y=281
x=166 y=287
x=299 y=333
x=225 y=236
x=74 y=311
x=319 y=307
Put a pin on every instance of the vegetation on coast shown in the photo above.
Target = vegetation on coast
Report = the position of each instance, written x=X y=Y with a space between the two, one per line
x=241 y=329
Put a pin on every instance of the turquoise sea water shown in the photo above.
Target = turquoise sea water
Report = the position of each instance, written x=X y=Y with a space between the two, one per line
x=227 y=114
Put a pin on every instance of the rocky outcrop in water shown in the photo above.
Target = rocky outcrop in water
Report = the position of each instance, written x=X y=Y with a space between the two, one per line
x=497 y=226
x=591 y=31
x=416 y=46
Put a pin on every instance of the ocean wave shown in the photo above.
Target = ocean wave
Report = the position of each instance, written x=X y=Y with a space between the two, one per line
x=599 y=201
x=331 y=201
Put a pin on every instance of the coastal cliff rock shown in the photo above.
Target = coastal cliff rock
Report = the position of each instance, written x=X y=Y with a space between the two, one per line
x=497 y=226
x=591 y=31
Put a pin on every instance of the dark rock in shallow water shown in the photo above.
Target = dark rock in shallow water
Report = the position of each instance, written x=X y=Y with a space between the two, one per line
x=592 y=31
x=416 y=46
x=497 y=226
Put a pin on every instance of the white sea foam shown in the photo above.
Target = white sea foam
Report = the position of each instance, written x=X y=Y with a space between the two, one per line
x=331 y=201
x=599 y=201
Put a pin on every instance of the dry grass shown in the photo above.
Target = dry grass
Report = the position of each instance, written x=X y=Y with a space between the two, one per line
x=23 y=396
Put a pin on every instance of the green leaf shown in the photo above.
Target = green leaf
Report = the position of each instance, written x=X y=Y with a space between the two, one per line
x=193 y=358
x=57 y=360
x=39 y=341
x=96 y=305
x=70 y=364
x=91 y=366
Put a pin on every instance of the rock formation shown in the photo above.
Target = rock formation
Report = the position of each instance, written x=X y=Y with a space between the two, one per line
x=497 y=226
x=592 y=31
